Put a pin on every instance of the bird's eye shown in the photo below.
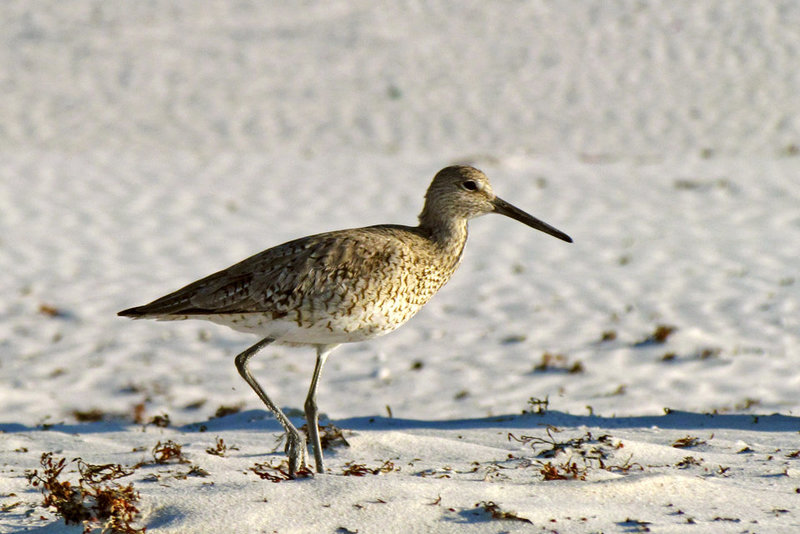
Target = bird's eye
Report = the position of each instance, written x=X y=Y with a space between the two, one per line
x=470 y=185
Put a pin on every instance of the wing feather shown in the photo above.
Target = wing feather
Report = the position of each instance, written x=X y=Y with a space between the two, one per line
x=279 y=278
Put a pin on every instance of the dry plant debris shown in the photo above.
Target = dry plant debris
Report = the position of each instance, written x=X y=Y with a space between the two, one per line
x=278 y=472
x=564 y=471
x=537 y=406
x=96 y=500
x=52 y=311
x=579 y=444
x=496 y=512
x=659 y=335
x=161 y=421
x=221 y=448
x=88 y=416
x=609 y=335
x=169 y=451
x=635 y=525
x=222 y=411
x=360 y=470
x=687 y=442
x=330 y=436
x=557 y=363
x=687 y=462
x=592 y=451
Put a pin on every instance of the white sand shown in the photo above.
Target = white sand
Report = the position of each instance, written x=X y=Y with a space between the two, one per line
x=145 y=145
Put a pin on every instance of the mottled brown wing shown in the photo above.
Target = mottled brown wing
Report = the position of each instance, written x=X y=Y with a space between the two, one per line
x=227 y=291
x=272 y=280
x=323 y=269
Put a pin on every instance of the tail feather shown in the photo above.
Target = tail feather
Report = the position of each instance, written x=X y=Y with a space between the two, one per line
x=130 y=312
x=169 y=305
x=135 y=312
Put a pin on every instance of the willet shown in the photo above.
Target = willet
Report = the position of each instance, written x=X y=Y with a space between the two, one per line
x=340 y=287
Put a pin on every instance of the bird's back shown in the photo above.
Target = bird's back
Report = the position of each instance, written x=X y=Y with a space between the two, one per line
x=334 y=287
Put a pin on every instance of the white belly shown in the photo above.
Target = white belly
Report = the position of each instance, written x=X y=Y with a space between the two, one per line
x=321 y=332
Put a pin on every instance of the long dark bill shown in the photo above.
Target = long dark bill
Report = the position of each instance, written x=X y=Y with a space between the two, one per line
x=504 y=208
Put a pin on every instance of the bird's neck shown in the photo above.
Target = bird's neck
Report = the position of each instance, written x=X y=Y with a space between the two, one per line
x=447 y=234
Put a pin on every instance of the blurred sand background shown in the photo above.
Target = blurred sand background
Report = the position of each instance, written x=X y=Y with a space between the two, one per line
x=595 y=78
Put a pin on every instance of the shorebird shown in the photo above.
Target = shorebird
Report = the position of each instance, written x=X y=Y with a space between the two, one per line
x=340 y=287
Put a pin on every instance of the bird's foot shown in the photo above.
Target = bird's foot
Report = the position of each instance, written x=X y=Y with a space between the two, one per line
x=296 y=451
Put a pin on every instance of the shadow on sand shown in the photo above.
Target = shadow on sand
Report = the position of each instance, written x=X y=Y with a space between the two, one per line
x=261 y=420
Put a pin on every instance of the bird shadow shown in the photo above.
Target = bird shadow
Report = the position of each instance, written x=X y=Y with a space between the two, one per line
x=262 y=420
x=675 y=420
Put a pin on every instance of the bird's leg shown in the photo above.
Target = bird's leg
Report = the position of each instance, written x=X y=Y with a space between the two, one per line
x=295 y=442
x=312 y=415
